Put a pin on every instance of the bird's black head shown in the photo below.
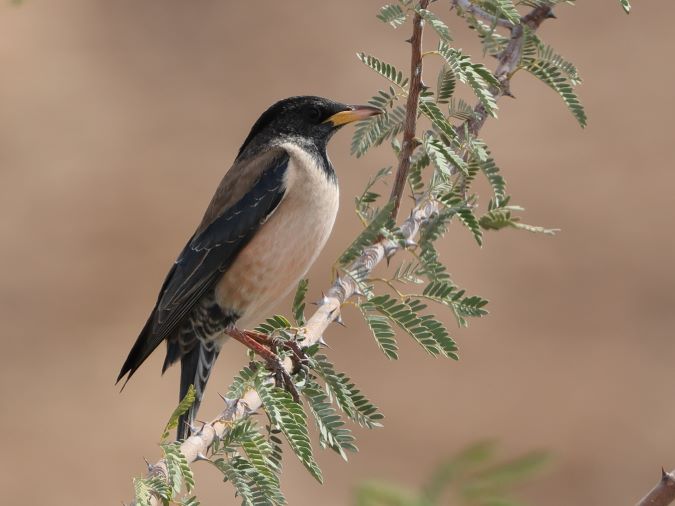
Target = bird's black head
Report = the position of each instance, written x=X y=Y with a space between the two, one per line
x=307 y=119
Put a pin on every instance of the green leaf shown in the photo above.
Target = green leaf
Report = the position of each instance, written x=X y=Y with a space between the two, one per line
x=375 y=493
x=504 y=475
x=431 y=111
x=454 y=468
x=189 y=501
x=182 y=408
x=460 y=109
x=466 y=216
x=178 y=468
x=419 y=162
x=299 y=302
x=376 y=129
x=260 y=455
x=626 y=5
x=381 y=221
x=445 y=86
x=274 y=324
x=392 y=14
x=368 y=197
x=348 y=398
x=535 y=50
x=381 y=329
x=506 y=10
x=429 y=333
x=332 y=433
x=431 y=267
x=290 y=418
x=475 y=75
x=242 y=382
x=386 y=70
x=553 y=77
x=502 y=217
x=497 y=182
x=439 y=26
x=240 y=473
x=142 y=492
x=443 y=157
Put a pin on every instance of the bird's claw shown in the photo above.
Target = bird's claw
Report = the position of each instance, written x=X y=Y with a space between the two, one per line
x=282 y=378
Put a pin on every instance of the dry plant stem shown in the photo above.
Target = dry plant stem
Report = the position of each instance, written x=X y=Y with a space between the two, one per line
x=196 y=446
x=410 y=124
x=663 y=493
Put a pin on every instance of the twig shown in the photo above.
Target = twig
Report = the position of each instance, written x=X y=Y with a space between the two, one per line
x=196 y=446
x=467 y=6
x=508 y=63
x=663 y=492
x=410 y=125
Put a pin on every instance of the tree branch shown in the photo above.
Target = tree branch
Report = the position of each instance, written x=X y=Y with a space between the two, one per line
x=663 y=492
x=410 y=125
x=508 y=63
x=467 y=6
x=196 y=446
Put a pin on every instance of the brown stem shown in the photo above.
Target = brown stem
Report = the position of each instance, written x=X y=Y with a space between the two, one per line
x=663 y=492
x=410 y=124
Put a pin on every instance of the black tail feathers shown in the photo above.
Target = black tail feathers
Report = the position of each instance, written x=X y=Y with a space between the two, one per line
x=195 y=370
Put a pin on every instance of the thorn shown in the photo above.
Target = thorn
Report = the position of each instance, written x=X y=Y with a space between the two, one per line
x=322 y=342
x=150 y=466
x=389 y=251
x=408 y=40
x=201 y=429
x=358 y=292
x=664 y=474
x=339 y=321
x=201 y=456
x=551 y=15
x=321 y=301
x=508 y=93
x=424 y=86
x=229 y=403
x=247 y=409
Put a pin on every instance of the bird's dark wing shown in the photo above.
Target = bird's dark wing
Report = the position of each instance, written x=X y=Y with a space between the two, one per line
x=247 y=195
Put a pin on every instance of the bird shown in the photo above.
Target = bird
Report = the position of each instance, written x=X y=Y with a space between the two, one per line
x=267 y=222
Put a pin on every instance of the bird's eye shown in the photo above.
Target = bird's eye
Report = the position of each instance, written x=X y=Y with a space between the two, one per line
x=314 y=114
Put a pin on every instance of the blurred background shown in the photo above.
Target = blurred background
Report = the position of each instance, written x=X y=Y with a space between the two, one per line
x=117 y=122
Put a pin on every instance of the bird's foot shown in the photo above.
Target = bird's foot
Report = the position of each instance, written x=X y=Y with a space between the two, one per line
x=267 y=348
x=297 y=355
x=282 y=378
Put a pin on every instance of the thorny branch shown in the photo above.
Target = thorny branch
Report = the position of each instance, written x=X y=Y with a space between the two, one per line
x=663 y=492
x=410 y=125
x=197 y=445
x=467 y=6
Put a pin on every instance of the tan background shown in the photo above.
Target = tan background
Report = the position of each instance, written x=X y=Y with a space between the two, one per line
x=117 y=121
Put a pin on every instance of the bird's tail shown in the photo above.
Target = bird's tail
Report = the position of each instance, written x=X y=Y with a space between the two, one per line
x=195 y=368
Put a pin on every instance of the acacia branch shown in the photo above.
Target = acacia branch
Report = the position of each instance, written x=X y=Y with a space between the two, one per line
x=197 y=445
x=410 y=124
x=467 y=6
x=663 y=492
x=509 y=59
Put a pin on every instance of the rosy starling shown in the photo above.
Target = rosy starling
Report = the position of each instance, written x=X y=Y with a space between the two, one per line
x=266 y=224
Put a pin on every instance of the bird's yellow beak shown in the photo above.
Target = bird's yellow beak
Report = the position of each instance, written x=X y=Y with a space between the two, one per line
x=356 y=113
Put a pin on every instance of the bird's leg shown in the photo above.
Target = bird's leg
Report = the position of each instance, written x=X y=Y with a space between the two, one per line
x=298 y=356
x=281 y=377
